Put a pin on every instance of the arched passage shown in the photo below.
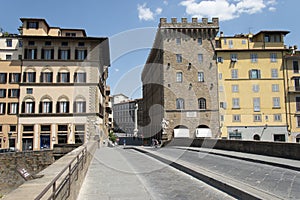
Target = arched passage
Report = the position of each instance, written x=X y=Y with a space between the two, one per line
x=203 y=131
x=181 y=131
x=256 y=137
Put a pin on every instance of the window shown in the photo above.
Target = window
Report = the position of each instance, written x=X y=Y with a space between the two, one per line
x=220 y=59
x=80 y=77
x=254 y=74
x=233 y=57
x=48 y=43
x=257 y=118
x=13 y=93
x=3 y=77
x=30 y=54
x=29 y=91
x=2 y=108
x=243 y=41
x=178 y=41
x=297 y=104
x=298 y=121
x=200 y=76
x=235 y=103
x=273 y=57
x=230 y=43
x=79 y=134
x=8 y=42
x=275 y=88
x=200 y=58
x=33 y=25
x=276 y=102
x=253 y=57
x=220 y=76
x=235 y=88
x=13 y=128
x=62 y=134
x=8 y=57
x=29 y=77
x=199 y=41
x=274 y=73
x=20 y=43
x=80 y=54
x=277 y=117
x=64 y=54
x=202 y=103
x=256 y=104
x=31 y=43
x=2 y=93
x=79 y=107
x=255 y=88
x=63 y=77
x=62 y=107
x=45 y=136
x=14 y=78
x=223 y=105
x=234 y=73
x=179 y=58
x=64 y=44
x=179 y=77
x=295 y=66
x=47 y=54
x=71 y=34
x=236 y=118
x=45 y=107
x=297 y=84
x=28 y=107
x=12 y=108
x=46 y=77
x=179 y=103
x=81 y=44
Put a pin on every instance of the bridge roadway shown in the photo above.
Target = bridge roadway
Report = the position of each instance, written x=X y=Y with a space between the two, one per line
x=148 y=173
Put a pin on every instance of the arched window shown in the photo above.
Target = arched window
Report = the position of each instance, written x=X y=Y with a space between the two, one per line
x=62 y=105
x=179 y=103
x=202 y=104
x=28 y=105
x=79 y=105
x=46 y=76
x=45 y=105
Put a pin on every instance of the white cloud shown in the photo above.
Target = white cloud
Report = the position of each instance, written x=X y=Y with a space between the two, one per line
x=166 y=2
x=145 y=12
x=158 y=11
x=226 y=9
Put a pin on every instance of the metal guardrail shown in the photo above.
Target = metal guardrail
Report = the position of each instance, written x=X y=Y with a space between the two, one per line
x=69 y=170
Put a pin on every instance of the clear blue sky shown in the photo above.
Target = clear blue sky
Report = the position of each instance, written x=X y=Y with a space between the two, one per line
x=131 y=25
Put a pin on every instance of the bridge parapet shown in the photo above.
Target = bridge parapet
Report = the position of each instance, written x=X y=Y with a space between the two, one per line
x=70 y=170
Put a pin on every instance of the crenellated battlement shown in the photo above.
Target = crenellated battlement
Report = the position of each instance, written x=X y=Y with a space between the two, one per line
x=195 y=23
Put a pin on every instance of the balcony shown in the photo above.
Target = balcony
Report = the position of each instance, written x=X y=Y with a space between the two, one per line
x=294 y=89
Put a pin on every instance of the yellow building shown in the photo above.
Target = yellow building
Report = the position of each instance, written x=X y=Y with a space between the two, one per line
x=251 y=86
x=292 y=77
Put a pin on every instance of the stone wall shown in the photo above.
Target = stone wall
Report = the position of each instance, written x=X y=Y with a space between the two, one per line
x=33 y=162
x=276 y=149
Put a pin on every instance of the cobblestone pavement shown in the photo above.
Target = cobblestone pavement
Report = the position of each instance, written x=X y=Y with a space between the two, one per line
x=284 y=183
x=117 y=173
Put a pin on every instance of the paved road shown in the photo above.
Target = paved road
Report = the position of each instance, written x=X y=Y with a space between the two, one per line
x=282 y=182
x=117 y=173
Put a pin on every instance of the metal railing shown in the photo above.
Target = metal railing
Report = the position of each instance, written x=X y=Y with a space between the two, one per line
x=65 y=181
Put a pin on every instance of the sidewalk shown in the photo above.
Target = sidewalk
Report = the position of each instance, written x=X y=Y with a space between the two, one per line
x=275 y=161
x=111 y=177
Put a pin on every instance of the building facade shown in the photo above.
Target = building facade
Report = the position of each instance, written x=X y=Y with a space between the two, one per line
x=62 y=92
x=292 y=79
x=10 y=77
x=179 y=81
x=252 y=87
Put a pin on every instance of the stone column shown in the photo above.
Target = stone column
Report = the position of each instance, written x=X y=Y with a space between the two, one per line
x=36 y=137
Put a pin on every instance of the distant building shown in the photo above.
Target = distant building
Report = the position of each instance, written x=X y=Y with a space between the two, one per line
x=62 y=92
x=119 y=98
x=180 y=86
x=251 y=86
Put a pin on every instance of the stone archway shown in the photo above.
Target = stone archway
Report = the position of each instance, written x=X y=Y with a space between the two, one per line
x=181 y=131
x=203 y=131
